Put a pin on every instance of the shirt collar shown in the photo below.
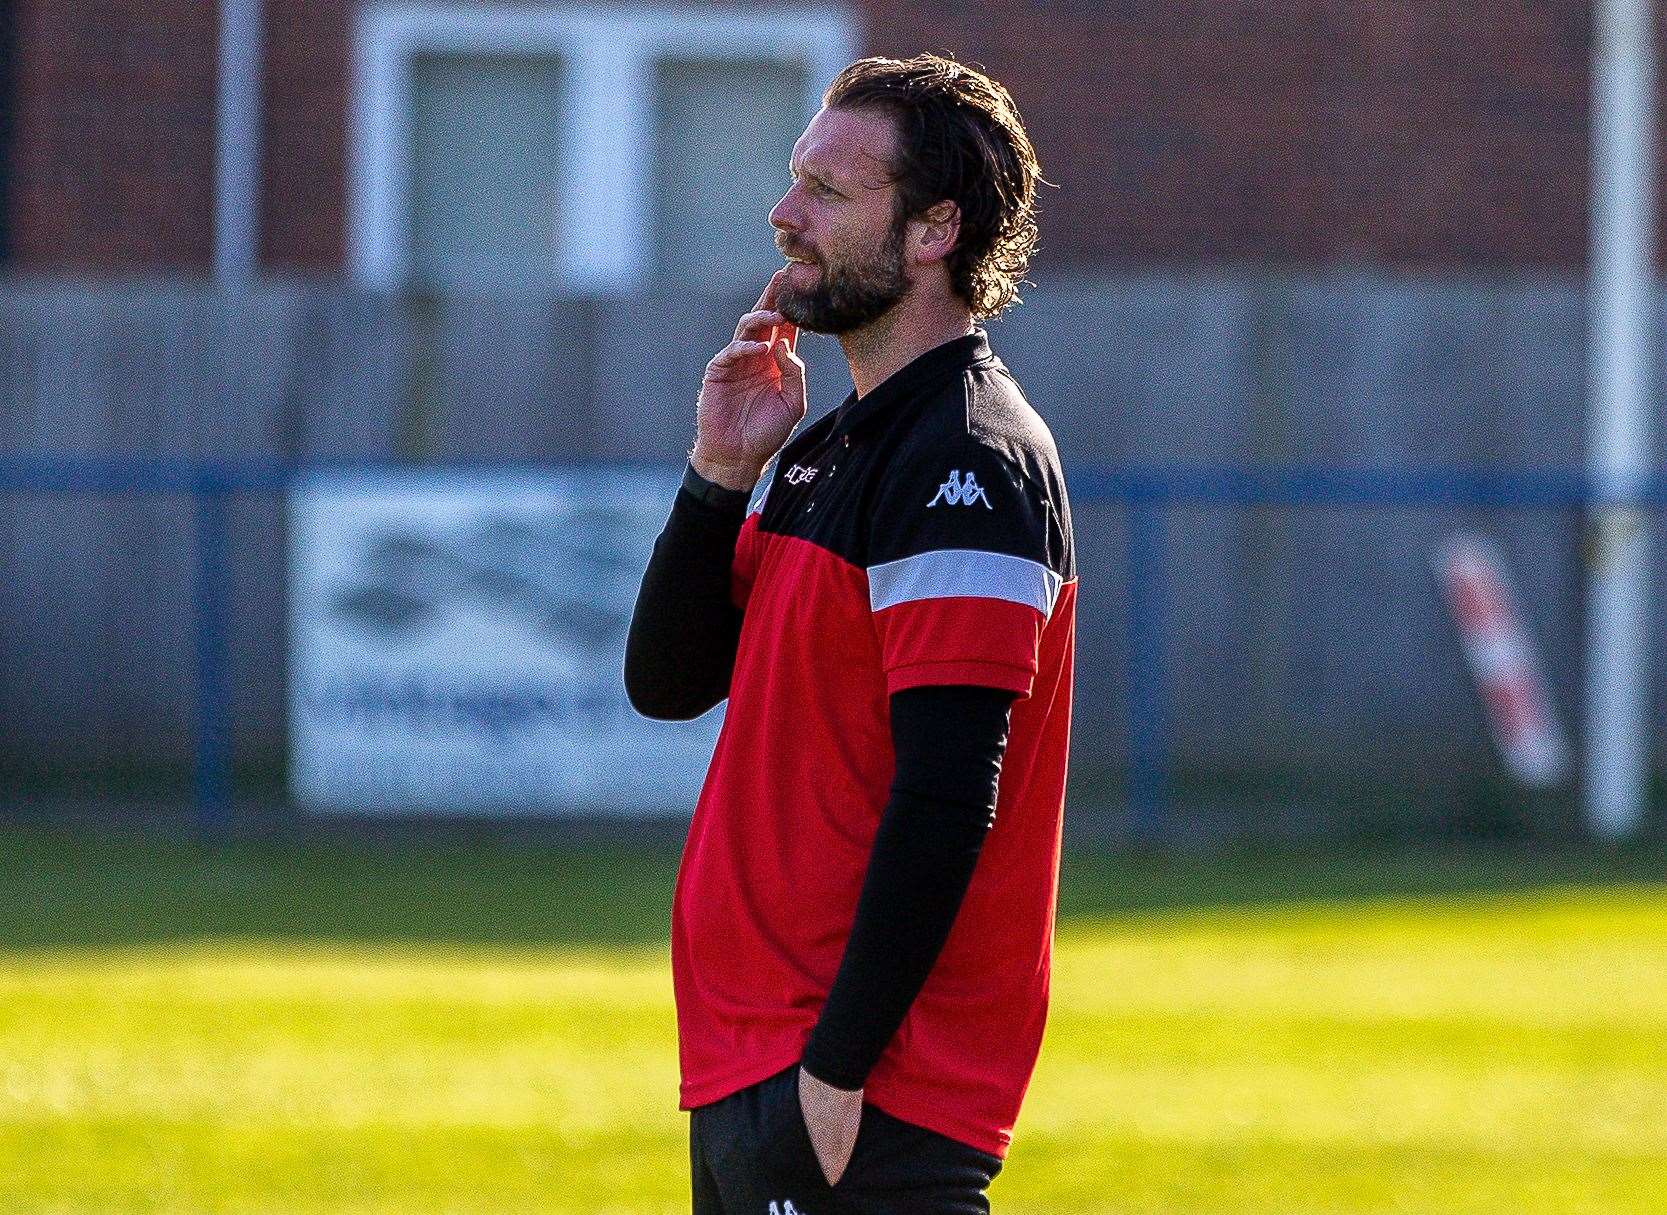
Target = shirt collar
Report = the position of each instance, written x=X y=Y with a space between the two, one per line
x=952 y=356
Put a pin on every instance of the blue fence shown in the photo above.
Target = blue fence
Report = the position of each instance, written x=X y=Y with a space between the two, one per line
x=1147 y=495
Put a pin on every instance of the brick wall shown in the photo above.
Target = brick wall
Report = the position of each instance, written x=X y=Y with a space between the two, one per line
x=305 y=106
x=1390 y=131
x=1400 y=132
x=113 y=147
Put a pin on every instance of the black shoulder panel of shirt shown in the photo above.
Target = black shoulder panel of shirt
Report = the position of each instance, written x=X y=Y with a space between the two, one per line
x=947 y=454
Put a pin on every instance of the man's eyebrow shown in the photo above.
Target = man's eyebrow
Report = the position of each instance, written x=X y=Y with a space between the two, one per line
x=798 y=168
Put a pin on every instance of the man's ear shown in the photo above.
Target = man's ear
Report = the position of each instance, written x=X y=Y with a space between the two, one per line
x=936 y=232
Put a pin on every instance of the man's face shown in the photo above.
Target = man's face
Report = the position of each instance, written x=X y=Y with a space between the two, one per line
x=838 y=222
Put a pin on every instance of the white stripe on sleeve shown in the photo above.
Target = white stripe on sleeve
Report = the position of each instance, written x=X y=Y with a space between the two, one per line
x=963 y=572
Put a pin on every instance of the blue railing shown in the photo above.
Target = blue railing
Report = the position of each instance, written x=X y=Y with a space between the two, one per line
x=1146 y=493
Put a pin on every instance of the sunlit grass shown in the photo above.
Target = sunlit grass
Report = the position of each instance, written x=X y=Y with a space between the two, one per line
x=1481 y=1055
x=473 y=1030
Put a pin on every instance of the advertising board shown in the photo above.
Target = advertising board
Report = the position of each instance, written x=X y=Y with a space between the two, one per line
x=456 y=643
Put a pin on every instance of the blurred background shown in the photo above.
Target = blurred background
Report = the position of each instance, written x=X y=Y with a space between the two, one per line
x=348 y=354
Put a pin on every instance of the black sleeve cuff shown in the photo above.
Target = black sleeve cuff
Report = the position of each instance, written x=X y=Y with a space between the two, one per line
x=823 y=1061
x=717 y=497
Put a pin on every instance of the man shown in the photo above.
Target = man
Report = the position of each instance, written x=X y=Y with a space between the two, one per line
x=862 y=926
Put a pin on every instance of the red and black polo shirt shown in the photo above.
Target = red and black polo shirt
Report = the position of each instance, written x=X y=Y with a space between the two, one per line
x=919 y=535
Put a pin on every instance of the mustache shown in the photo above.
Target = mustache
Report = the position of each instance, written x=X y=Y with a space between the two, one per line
x=789 y=248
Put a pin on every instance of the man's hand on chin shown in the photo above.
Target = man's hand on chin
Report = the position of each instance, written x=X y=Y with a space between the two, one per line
x=832 y=1116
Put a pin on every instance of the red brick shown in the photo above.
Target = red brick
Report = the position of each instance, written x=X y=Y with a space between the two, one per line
x=114 y=137
x=1426 y=135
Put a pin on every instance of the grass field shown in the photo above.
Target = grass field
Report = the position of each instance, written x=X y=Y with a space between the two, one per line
x=471 y=1028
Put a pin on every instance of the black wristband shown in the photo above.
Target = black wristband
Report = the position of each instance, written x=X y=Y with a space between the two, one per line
x=710 y=493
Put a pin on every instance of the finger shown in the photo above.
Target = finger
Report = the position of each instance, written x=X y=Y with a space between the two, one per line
x=739 y=352
x=788 y=332
x=743 y=346
x=756 y=324
x=791 y=368
x=768 y=299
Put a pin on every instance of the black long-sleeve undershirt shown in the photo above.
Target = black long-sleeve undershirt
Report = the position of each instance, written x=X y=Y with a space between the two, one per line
x=680 y=650
x=949 y=743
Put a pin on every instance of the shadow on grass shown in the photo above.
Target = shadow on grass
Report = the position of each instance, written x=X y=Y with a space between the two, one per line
x=71 y=889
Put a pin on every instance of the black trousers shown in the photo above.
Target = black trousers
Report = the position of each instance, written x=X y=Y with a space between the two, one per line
x=750 y=1154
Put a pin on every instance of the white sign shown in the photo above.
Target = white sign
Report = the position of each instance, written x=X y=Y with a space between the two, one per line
x=456 y=643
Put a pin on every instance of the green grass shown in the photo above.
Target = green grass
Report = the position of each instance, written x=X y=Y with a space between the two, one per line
x=471 y=1028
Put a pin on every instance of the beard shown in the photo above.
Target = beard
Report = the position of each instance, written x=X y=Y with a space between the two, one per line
x=849 y=294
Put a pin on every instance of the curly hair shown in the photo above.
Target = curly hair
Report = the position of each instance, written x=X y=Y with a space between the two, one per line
x=959 y=137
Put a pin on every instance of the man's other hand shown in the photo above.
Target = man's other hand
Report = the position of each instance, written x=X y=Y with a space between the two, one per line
x=832 y=1116
x=751 y=398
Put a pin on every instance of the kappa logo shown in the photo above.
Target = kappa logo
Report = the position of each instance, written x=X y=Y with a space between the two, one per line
x=961 y=491
x=799 y=474
x=785 y=1208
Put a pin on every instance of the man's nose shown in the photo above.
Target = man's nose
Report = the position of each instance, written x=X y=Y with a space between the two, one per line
x=784 y=216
